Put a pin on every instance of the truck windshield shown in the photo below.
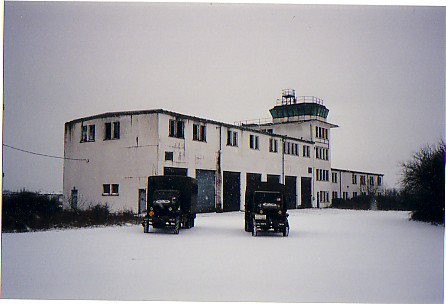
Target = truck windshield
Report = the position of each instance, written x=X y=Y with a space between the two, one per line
x=165 y=196
x=268 y=199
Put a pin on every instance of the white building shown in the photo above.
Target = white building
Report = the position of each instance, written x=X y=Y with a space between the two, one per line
x=109 y=157
x=349 y=184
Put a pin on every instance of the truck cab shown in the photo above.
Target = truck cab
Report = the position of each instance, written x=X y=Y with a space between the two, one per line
x=171 y=202
x=265 y=209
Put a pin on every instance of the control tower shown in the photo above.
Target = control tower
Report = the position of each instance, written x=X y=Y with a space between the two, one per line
x=300 y=108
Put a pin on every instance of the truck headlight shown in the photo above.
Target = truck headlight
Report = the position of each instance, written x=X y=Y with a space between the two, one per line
x=261 y=212
x=280 y=211
x=170 y=208
x=151 y=213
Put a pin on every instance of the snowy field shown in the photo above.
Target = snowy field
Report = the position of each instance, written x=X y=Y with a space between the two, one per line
x=330 y=256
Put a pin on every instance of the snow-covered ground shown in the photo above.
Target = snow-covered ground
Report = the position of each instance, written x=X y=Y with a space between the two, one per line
x=329 y=256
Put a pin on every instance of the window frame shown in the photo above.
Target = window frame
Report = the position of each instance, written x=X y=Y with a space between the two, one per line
x=168 y=156
x=273 y=145
x=254 y=142
x=231 y=138
x=106 y=189
x=91 y=132
x=199 y=132
x=176 y=128
x=84 y=133
x=112 y=130
x=110 y=189
x=354 y=179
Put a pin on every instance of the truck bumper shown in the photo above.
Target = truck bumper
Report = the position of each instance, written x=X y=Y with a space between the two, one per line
x=270 y=225
x=159 y=222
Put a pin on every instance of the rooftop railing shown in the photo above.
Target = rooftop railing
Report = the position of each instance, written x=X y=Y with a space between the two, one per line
x=300 y=99
x=254 y=122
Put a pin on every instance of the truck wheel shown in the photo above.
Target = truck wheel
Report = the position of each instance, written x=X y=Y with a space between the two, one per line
x=191 y=221
x=253 y=229
x=177 y=226
x=286 y=230
x=248 y=226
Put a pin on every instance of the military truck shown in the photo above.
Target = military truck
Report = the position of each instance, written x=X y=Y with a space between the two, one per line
x=265 y=208
x=171 y=202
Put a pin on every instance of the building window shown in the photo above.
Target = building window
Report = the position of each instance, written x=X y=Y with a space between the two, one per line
x=362 y=180
x=306 y=151
x=91 y=133
x=354 y=179
x=88 y=133
x=321 y=133
x=291 y=148
x=112 y=130
x=106 y=189
x=334 y=195
x=110 y=189
x=321 y=153
x=254 y=142
x=232 y=139
x=115 y=189
x=355 y=194
x=116 y=130
x=371 y=181
x=345 y=195
x=334 y=177
x=176 y=128
x=168 y=155
x=269 y=131
x=199 y=132
x=322 y=175
x=84 y=134
x=273 y=145
x=324 y=196
x=107 y=131
x=380 y=180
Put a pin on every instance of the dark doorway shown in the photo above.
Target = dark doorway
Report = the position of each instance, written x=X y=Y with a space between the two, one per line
x=175 y=171
x=306 y=192
x=142 y=207
x=74 y=198
x=231 y=191
x=290 y=191
x=206 y=190
x=270 y=178
x=253 y=179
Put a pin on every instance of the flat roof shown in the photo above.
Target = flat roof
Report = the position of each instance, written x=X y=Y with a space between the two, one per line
x=360 y=172
x=183 y=116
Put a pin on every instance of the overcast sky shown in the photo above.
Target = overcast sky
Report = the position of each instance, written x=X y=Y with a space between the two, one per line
x=380 y=71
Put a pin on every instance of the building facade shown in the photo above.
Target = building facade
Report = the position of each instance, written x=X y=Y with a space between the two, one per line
x=109 y=157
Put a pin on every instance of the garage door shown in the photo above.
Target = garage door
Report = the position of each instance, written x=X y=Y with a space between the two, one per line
x=290 y=189
x=231 y=191
x=271 y=178
x=305 y=192
x=206 y=190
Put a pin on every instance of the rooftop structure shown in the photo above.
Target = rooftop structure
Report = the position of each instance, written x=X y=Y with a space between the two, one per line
x=300 y=108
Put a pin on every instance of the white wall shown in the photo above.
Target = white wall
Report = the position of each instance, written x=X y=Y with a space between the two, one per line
x=127 y=161
x=144 y=139
x=345 y=183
